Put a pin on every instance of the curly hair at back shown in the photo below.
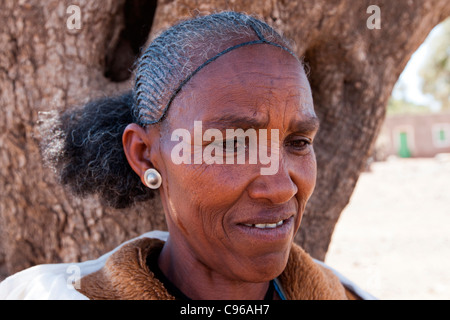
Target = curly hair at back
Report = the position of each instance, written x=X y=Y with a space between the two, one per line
x=84 y=145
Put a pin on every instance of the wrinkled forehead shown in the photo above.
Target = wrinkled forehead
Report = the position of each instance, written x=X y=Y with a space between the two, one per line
x=251 y=80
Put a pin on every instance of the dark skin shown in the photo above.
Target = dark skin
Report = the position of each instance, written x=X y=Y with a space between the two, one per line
x=215 y=250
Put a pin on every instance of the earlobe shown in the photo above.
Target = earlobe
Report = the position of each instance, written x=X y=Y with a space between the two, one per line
x=152 y=179
x=137 y=147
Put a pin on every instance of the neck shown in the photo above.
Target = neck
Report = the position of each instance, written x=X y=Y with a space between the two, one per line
x=199 y=282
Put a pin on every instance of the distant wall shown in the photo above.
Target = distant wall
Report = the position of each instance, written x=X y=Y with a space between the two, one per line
x=423 y=135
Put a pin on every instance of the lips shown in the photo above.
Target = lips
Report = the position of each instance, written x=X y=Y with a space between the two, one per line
x=265 y=225
x=275 y=234
x=267 y=220
x=271 y=227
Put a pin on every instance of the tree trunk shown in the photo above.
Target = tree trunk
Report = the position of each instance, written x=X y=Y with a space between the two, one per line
x=44 y=65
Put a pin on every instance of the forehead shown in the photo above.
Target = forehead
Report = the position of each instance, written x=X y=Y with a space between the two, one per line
x=256 y=80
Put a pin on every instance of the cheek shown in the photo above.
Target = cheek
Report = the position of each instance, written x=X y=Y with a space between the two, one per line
x=199 y=196
x=305 y=177
x=210 y=185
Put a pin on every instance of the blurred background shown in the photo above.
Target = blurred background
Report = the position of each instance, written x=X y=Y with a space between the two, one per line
x=393 y=239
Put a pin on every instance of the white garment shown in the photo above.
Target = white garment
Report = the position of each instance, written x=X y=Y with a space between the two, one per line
x=59 y=281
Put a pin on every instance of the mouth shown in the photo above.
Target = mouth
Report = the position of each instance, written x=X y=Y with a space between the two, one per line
x=266 y=225
x=278 y=230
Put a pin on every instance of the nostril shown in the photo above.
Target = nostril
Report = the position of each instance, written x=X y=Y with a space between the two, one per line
x=276 y=189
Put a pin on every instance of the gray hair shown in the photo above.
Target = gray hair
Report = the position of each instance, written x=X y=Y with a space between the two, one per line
x=174 y=57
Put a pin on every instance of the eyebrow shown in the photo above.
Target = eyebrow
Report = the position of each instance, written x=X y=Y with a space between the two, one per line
x=235 y=122
x=306 y=125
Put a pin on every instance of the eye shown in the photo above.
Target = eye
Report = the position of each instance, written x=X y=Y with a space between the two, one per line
x=298 y=144
x=234 y=145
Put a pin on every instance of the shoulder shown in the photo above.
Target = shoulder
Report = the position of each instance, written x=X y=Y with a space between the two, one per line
x=305 y=278
x=57 y=281
x=353 y=291
x=43 y=282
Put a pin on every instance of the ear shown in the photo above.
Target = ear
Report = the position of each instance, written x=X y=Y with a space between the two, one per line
x=138 y=144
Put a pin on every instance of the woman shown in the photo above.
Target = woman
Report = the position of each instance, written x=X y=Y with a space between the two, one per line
x=205 y=90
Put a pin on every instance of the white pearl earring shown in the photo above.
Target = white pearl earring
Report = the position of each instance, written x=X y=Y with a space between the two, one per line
x=152 y=179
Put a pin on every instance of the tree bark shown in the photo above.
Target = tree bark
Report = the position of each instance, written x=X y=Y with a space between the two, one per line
x=45 y=66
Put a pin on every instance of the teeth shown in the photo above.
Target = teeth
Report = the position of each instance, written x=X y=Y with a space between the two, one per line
x=266 y=225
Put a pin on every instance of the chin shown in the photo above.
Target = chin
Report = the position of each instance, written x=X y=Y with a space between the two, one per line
x=266 y=267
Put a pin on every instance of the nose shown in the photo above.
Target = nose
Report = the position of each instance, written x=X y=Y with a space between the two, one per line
x=278 y=188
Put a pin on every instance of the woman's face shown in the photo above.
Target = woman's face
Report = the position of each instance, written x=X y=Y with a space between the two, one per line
x=230 y=217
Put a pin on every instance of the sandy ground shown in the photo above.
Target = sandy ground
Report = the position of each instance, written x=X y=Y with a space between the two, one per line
x=393 y=239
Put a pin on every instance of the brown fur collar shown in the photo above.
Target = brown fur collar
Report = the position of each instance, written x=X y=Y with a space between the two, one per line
x=126 y=276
